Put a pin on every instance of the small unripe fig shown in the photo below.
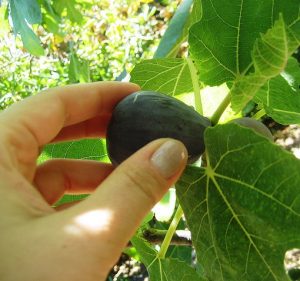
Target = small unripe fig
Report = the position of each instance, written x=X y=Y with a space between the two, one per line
x=257 y=126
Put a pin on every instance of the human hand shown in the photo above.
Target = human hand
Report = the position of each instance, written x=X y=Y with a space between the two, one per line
x=83 y=241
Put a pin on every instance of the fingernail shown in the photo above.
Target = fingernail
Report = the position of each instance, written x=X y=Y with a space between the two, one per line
x=169 y=157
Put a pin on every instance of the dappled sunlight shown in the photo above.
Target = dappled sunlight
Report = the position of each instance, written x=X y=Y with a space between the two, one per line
x=292 y=260
x=91 y=222
x=164 y=209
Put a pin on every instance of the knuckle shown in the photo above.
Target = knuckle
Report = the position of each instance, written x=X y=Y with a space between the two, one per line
x=20 y=144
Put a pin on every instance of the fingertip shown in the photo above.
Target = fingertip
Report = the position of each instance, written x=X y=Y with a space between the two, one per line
x=170 y=158
x=132 y=86
x=135 y=85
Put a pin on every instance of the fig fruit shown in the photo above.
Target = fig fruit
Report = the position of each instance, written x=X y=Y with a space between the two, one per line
x=257 y=126
x=145 y=116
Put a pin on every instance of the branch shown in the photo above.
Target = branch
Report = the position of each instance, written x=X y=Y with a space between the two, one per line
x=156 y=236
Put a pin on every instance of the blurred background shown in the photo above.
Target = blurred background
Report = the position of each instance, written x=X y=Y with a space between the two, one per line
x=49 y=43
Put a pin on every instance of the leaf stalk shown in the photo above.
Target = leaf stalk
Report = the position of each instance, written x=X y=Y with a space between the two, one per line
x=196 y=86
x=220 y=110
x=258 y=115
x=167 y=240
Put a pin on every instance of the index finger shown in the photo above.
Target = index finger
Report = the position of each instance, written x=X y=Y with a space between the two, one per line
x=44 y=115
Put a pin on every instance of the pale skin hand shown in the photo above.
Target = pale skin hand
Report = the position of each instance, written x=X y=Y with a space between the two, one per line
x=83 y=241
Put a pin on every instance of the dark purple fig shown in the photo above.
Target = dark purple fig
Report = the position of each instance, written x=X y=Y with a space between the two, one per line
x=145 y=116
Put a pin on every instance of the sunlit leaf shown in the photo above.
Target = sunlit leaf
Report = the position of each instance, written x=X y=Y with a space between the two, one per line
x=70 y=6
x=87 y=149
x=169 y=76
x=79 y=70
x=243 y=209
x=24 y=13
x=193 y=17
x=31 y=41
x=28 y=10
x=90 y=149
x=51 y=24
x=270 y=56
x=222 y=41
x=175 y=30
x=164 y=269
x=281 y=95
x=51 y=20
x=73 y=14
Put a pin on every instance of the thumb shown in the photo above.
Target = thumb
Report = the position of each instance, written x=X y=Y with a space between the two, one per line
x=133 y=188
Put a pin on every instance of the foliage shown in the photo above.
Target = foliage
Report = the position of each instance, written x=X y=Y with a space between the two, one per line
x=61 y=42
x=242 y=205
x=230 y=213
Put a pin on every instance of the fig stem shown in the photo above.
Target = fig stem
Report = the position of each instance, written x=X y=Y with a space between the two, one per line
x=172 y=228
x=258 y=115
x=220 y=110
x=196 y=86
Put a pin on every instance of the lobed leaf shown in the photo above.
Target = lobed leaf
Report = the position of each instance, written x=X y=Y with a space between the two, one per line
x=51 y=20
x=164 y=269
x=78 y=70
x=169 y=76
x=73 y=14
x=175 y=30
x=28 y=10
x=270 y=56
x=243 y=209
x=221 y=42
x=165 y=49
x=30 y=41
x=281 y=95
x=22 y=14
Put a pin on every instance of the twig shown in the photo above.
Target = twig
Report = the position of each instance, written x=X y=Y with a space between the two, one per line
x=156 y=236
x=181 y=237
